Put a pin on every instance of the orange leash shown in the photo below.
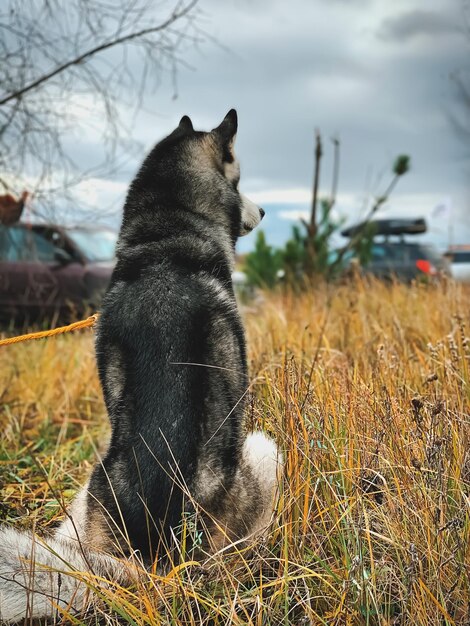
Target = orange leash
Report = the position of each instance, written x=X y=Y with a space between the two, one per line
x=90 y=321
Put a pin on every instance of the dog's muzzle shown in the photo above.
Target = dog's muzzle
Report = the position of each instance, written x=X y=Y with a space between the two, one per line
x=252 y=215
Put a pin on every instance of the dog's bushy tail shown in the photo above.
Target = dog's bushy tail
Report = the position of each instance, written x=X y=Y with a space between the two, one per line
x=40 y=578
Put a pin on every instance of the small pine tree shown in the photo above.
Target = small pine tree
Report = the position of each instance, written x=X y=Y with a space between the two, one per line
x=263 y=264
x=293 y=256
x=309 y=251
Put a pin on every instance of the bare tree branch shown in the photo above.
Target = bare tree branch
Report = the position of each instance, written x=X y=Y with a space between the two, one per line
x=73 y=76
x=335 y=179
x=176 y=15
x=316 y=181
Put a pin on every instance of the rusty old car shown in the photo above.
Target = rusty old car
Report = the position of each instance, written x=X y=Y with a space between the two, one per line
x=47 y=270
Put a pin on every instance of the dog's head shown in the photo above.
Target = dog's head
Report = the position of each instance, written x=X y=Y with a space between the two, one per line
x=224 y=138
x=199 y=171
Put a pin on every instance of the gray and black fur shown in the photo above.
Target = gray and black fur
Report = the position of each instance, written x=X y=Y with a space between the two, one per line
x=171 y=359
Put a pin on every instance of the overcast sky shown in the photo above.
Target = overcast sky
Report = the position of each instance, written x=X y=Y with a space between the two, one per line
x=376 y=74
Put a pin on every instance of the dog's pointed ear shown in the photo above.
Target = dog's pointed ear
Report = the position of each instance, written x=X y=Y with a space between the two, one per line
x=185 y=124
x=228 y=128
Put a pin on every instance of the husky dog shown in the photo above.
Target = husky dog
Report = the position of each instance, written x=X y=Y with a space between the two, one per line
x=171 y=359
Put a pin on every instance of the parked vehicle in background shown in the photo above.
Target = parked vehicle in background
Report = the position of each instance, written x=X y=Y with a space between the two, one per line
x=406 y=261
x=393 y=256
x=459 y=259
x=47 y=270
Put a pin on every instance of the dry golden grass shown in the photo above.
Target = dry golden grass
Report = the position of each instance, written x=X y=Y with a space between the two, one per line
x=366 y=388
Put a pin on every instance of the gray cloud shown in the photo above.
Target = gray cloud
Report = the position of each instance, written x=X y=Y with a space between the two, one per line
x=291 y=67
x=417 y=23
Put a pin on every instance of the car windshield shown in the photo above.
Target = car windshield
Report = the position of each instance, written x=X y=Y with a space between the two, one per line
x=96 y=245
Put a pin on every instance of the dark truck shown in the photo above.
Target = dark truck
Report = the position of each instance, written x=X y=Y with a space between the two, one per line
x=48 y=270
x=394 y=256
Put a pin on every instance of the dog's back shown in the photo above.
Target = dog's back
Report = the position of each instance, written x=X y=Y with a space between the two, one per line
x=170 y=354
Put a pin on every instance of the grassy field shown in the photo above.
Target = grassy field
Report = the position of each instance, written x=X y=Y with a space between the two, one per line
x=366 y=389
